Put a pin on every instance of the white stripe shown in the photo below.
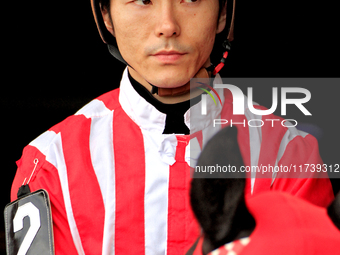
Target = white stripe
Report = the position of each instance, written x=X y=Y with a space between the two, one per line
x=156 y=198
x=95 y=108
x=102 y=156
x=192 y=152
x=255 y=140
x=290 y=134
x=43 y=141
x=55 y=156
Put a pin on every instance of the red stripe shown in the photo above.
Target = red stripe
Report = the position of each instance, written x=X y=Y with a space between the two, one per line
x=110 y=99
x=130 y=185
x=85 y=194
x=182 y=226
x=199 y=247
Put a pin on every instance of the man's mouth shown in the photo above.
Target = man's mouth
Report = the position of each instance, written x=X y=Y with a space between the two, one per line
x=169 y=57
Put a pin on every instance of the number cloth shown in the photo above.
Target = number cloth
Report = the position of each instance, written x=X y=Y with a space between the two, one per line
x=28 y=223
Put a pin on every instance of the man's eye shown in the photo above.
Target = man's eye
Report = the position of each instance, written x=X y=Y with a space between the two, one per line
x=143 y=2
x=189 y=1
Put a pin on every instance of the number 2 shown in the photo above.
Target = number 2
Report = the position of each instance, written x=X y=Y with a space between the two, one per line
x=33 y=213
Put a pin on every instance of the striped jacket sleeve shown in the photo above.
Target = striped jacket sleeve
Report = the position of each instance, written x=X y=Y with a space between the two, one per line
x=65 y=171
x=291 y=151
x=302 y=155
x=46 y=176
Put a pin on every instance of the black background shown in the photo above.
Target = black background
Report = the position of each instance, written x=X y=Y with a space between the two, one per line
x=54 y=62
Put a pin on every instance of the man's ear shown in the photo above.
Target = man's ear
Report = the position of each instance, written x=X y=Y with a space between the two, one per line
x=222 y=20
x=107 y=20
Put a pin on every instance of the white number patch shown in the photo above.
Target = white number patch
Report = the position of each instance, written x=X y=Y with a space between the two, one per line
x=28 y=225
x=32 y=212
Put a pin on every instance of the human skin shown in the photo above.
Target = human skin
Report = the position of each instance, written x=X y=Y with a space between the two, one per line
x=165 y=42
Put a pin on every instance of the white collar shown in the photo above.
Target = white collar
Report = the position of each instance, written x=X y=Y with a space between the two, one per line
x=148 y=118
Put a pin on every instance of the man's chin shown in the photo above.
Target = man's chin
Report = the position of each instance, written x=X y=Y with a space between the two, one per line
x=170 y=79
x=170 y=83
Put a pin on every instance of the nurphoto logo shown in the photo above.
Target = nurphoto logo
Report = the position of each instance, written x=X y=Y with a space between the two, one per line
x=278 y=97
x=238 y=100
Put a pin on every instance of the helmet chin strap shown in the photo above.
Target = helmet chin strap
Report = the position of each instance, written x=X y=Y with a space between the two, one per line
x=162 y=92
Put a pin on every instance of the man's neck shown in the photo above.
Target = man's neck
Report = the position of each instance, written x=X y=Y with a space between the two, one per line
x=174 y=123
x=164 y=99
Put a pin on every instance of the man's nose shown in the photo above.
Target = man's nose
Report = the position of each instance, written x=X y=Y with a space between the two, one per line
x=167 y=22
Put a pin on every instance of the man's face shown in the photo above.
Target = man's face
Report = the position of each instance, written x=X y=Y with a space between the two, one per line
x=166 y=42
